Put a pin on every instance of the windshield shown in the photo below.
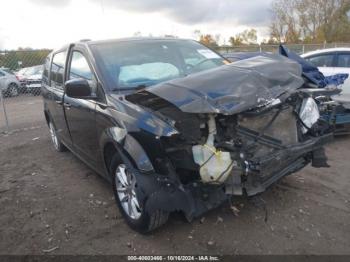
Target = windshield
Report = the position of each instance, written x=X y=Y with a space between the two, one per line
x=22 y=71
x=135 y=64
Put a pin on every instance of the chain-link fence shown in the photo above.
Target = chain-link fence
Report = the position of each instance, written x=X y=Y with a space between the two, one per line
x=20 y=86
x=20 y=82
x=298 y=48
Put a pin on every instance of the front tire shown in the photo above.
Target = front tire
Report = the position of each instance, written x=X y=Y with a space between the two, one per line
x=124 y=189
x=12 y=90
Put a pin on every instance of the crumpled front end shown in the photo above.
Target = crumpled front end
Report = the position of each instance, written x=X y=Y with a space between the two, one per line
x=248 y=152
x=219 y=153
x=275 y=144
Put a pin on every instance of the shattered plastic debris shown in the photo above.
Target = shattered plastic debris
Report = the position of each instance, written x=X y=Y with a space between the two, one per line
x=211 y=243
x=50 y=250
x=235 y=210
x=219 y=220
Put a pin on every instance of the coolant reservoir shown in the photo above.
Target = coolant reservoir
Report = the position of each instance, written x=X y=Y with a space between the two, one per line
x=215 y=166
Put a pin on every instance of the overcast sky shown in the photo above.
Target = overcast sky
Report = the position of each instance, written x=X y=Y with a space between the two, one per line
x=52 y=23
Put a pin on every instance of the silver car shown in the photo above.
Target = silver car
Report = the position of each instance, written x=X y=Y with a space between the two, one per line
x=330 y=62
x=9 y=84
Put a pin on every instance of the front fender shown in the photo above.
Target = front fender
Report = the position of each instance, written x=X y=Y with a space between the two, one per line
x=125 y=143
x=136 y=119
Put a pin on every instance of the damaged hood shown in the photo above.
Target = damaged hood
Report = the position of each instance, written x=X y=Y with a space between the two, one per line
x=232 y=88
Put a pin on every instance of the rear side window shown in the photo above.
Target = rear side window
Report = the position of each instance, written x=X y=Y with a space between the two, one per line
x=57 y=70
x=46 y=71
x=325 y=60
x=343 y=60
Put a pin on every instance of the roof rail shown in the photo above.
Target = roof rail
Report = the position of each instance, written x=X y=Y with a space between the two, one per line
x=84 y=40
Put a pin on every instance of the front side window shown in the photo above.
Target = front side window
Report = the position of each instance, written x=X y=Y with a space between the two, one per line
x=325 y=60
x=57 y=70
x=79 y=67
x=135 y=64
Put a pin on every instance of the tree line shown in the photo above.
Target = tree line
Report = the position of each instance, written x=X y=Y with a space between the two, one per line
x=22 y=58
x=297 y=21
x=310 y=21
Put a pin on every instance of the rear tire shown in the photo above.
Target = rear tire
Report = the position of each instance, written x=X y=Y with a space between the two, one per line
x=55 y=140
x=124 y=184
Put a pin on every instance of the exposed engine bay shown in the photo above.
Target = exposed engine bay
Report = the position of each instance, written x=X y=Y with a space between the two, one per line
x=244 y=150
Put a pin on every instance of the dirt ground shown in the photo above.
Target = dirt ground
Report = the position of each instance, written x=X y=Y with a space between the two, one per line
x=23 y=111
x=52 y=203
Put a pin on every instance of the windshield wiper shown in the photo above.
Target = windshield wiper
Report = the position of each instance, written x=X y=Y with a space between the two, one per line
x=138 y=87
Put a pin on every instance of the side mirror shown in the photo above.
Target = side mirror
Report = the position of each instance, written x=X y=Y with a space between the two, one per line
x=78 y=88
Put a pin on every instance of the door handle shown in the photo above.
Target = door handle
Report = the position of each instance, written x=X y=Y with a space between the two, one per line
x=59 y=102
x=67 y=106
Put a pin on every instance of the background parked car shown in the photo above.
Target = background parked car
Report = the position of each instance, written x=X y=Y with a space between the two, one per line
x=30 y=79
x=341 y=115
x=330 y=62
x=20 y=74
x=9 y=84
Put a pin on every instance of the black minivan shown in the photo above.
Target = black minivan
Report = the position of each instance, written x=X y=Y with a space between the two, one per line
x=175 y=127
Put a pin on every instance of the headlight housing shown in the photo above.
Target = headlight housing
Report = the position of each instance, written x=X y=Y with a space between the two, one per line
x=309 y=113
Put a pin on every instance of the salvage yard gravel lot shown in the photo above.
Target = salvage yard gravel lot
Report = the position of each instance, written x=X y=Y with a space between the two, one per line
x=52 y=203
